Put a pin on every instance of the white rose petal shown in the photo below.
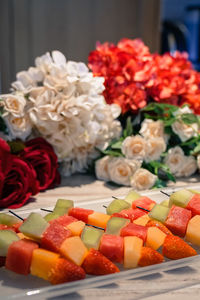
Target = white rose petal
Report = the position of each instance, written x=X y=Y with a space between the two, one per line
x=185 y=131
x=134 y=147
x=101 y=168
x=143 y=179
x=188 y=168
x=175 y=159
x=151 y=129
x=19 y=127
x=155 y=147
x=14 y=104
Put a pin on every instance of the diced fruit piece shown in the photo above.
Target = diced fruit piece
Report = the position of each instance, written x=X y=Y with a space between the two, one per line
x=194 y=205
x=16 y=226
x=135 y=230
x=116 y=206
x=6 y=227
x=159 y=212
x=165 y=203
x=65 y=271
x=19 y=256
x=132 y=196
x=177 y=220
x=62 y=206
x=91 y=237
x=130 y=214
x=144 y=202
x=132 y=251
x=51 y=216
x=74 y=249
x=96 y=263
x=115 y=225
x=143 y=220
x=8 y=220
x=152 y=223
x=98 y=219
x=7 y=237
x=64 y=220
x=174 y=248
x=180 y=198
x=193 y=232
x=54 y=236
x=76 y=228
x=112 y=246
x=42 y=262
x=80 y=213
x=34 y=226
x=155 y=238
x=149 y=257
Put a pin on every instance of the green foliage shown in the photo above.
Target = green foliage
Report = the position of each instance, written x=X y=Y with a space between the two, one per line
x=3 y=127
x=16 y=146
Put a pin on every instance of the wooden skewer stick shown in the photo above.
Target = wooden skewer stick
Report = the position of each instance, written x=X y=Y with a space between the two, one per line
x=165 y=193
x=48 y=210
x=14 y=214
x=143 y=208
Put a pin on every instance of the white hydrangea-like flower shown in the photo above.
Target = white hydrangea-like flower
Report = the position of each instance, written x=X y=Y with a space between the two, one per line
x=142 y=179
x=63 y=103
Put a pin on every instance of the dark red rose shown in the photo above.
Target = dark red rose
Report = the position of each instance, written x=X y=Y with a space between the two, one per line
x=41 y=156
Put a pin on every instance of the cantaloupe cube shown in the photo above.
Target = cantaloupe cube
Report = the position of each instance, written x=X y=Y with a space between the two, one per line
x=143 y=220
x=76 y=228
x=74 y=249
x=132 y=251
x=193 y=230
x=155 y=238
x=42 y=262
x=98 y=219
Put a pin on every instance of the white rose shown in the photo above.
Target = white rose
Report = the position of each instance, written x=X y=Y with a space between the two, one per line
x=175 y=159
x=19 y=127
x=14 y=104
x=155 y=147
x=188 y=168
x=185 y=131
x=121 y=169
x=134 y=147
x=143 y=179
x=150 y=128
x=101 y=168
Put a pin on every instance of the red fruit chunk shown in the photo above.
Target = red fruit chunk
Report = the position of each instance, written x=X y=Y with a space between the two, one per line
x=178 y=219
x=134 y=230
x=144 y=202
x=19 y=256
x=96 y=263
x=65 y=271
x=112 y=247
x=2 y=261
x=54 y=236
x=80 y=213
x=194 y=205
x=149 y=257
x=162 y=227
x=175 y=248
x=16 y=226
x=64 y=220
x=131 y=214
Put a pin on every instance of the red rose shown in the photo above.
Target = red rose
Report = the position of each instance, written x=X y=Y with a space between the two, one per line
x=18 y=179
x=43 y=159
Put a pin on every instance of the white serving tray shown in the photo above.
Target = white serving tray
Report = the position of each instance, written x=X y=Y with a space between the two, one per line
x=14 y=286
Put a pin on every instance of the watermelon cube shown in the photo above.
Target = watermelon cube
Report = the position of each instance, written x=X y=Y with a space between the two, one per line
x=80 y=213
x=194 y=205
x=116 y=206
x=143 y=202
x=19 y=256
x=115 y=225
x=131 y=214
x=112 y=247
x=54 y=236
x=91 y=237
x=7 y=237
x=64 y=220
x=177 y=220
x=132 y=251
x=135 y=230
x=193 y=230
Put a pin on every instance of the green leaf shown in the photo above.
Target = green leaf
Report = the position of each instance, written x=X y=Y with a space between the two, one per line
x=159 y=184
x=129 y=128
x=189 y=118
x=112 y=153
x=3 y=127
x=16 y=146
x=117 y=145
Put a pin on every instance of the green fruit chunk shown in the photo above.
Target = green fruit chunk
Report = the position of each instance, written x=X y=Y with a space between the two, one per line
x=180 y=198
x=6 y=239
x=51 y=216
x=62 y=206
x=115 y=225
x=8 y=220
x=165 y=203
x=117 y=205
x=159 y=212
x=91 y=237
x=194 y=191
x=34 y=226
x=132 y=196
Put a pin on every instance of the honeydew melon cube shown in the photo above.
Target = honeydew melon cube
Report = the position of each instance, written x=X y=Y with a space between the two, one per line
x=159 y=212
x=51 y=216
x=6 y=239
x=117 y=205
x=165 y=203
x=91 y=237
x=180 y=198
x=8 y=220
x=155 y=238
x=34 y=226
x=132 y=251
x=115 y=225
x=193 y=232
x=132 y=196
x=62 y=206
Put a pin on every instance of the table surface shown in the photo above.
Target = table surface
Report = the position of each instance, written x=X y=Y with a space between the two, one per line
x=176 y=284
